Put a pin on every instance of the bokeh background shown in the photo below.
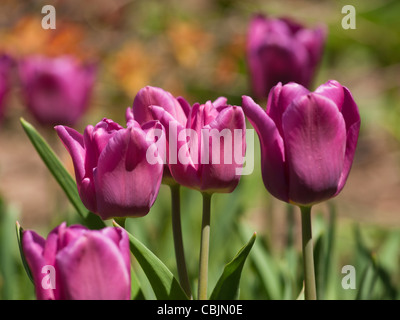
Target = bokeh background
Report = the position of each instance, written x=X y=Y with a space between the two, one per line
x=195 y=48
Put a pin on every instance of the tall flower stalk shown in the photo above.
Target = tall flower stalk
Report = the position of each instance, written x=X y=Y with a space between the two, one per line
x=204 y=247
x=308 y=141
x=199 y=163
x=310 y=291
x=141 y=112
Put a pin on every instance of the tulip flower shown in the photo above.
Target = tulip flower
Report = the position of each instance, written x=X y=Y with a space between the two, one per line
x=149 y=96
x=308 y=140
x=141 y=112
x=5 y=67
x=113 y=174
x=75 y=263
x=56 y=90
x=281 y=50
x=197 y=159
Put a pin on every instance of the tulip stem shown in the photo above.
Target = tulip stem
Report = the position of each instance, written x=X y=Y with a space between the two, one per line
x=178 y=241
x=308 y=255
x=204 y=247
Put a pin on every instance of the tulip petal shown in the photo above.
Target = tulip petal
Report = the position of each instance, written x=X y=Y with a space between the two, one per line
x=222 y=176
x=220 y=102
x=313 y=41
x=315 y=141
x=282 y=64
x=185 y=106
x=353 y=122
x=121 y=239
x=332 y=90
x=280 y=97
x=149 y=96
x=183 y=173
x=33 y=248
x=73 y=141
x=126 y=183
x=93 y=269
x=272 y=149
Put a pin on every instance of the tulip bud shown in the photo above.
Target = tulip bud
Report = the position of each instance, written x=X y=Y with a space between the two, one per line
x=281 y=50
x=112 y=170
x=75 y=263
x=308 y=140
x=56 y=90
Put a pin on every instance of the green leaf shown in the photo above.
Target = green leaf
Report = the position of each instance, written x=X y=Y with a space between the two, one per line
x=19 y=231
x=228 y=284
x=163 y=282
x=266 y=267
x=61 y=175
x=136 y=290
x=324 y=252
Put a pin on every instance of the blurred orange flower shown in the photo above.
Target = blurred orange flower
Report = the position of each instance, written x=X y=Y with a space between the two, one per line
x=132 y=67
x=227 y=66
x=189 y=42
x=28 y=37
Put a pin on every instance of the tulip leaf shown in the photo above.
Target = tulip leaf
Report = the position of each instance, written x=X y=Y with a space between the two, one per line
x=19 y=231
x=163 y=282
x=61 y=175
x=266 y=267
x=228 y=284
x=136 y=290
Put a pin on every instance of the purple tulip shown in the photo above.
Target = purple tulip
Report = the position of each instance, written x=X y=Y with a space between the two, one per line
x=5 y=67
x=112 y=170
x=154 y=96
x=280 y=50
x=205 y=153
x=75 y=263
x=308 y=140
x=56 y=90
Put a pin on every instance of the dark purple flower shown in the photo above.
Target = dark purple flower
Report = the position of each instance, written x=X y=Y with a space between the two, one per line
x=75 y=263
x=281 y=50
x=56 y=90
x=114 y=168
x=308 y=140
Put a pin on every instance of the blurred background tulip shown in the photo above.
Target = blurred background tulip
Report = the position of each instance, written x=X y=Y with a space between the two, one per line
x=308 y=140
x=56 y=90
x=75 y=263
x=281 y=50
x=113 y=174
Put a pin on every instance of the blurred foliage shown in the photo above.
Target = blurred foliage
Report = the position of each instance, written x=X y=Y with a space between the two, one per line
x=196 y=49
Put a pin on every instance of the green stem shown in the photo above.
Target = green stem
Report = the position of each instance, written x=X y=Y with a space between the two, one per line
x=178 y=241
x=204 y=247
x=310 y=292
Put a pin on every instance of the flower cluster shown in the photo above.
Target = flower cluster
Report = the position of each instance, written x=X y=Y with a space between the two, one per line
x=308 y=141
